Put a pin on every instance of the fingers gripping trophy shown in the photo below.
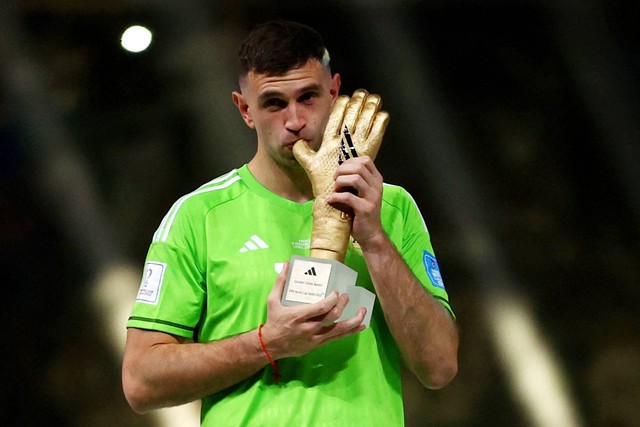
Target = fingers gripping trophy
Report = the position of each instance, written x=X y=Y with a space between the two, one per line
x=355 y=128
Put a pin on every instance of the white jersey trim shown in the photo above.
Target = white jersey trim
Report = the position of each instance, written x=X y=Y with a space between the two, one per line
x=224 y=181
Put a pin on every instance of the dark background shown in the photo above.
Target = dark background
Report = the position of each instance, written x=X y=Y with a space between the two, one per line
x=513 y=123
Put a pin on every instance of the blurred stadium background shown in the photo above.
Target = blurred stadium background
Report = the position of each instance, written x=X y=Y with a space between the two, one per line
x=515 y=124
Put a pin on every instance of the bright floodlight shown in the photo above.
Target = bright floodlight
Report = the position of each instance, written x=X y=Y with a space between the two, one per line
x=136 y=39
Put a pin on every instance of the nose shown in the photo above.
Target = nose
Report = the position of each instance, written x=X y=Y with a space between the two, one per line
x=295 y=119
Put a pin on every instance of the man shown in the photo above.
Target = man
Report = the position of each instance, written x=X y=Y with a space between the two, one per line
x=196 y=328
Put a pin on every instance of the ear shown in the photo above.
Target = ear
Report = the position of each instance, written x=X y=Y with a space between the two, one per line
x=243 y=107
x=335 y=87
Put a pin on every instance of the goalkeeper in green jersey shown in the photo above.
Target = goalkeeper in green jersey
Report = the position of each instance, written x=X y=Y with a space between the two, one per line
x=208 y=323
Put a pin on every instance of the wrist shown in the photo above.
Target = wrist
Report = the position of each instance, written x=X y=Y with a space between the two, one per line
x=270 y=358
x=375 y=242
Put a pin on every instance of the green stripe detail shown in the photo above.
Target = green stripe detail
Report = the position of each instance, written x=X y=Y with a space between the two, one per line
x=162 y=322
x=441 y=298
x=446 y=304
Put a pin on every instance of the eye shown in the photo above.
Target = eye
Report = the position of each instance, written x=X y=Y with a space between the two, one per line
x=274 y=104
x=307 y=97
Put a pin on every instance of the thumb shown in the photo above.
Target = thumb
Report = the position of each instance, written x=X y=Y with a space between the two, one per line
x=303 y=153
x=278 y=286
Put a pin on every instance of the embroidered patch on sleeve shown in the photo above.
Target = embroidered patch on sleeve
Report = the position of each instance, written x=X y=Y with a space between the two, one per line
x=432 y=269
x=151 y=282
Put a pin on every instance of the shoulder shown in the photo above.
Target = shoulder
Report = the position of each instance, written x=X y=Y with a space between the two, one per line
x=396 y=196
x=194 y=205
x=398 y=202
x=217 y=191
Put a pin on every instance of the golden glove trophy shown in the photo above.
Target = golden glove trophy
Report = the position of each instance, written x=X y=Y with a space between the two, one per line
x=355 y=128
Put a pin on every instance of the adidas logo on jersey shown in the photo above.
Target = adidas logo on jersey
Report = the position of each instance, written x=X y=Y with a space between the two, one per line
x=311 y=272
x=253 y=244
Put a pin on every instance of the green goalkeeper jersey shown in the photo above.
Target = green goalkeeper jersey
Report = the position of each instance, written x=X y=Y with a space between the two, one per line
x=210 y=267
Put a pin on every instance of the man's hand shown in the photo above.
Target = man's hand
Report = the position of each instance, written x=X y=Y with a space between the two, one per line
x=296 y=330
x=360 y=174
x=355 y=128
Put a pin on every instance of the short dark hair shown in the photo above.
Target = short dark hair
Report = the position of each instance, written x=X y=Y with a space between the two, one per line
x=275 y=47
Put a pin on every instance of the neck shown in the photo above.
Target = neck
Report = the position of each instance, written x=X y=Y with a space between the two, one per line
x=290 y=182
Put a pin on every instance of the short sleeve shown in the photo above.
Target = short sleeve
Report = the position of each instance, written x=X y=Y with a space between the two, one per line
x=418 y=251
x=172 y=295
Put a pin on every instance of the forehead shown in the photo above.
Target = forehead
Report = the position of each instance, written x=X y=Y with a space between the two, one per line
x=312 y=74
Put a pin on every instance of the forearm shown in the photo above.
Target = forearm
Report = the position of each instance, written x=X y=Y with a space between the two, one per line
x=423 y=329
x=170 y=373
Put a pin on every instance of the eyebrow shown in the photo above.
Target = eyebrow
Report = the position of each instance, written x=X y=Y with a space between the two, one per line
x=313 y=87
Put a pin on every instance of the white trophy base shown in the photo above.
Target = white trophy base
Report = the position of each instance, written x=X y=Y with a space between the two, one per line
x=312 y=279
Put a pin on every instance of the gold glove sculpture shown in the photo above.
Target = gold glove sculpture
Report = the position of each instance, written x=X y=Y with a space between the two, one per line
x=355 y=128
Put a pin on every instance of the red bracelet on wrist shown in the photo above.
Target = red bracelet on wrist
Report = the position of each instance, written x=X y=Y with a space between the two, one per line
x=276 y=369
